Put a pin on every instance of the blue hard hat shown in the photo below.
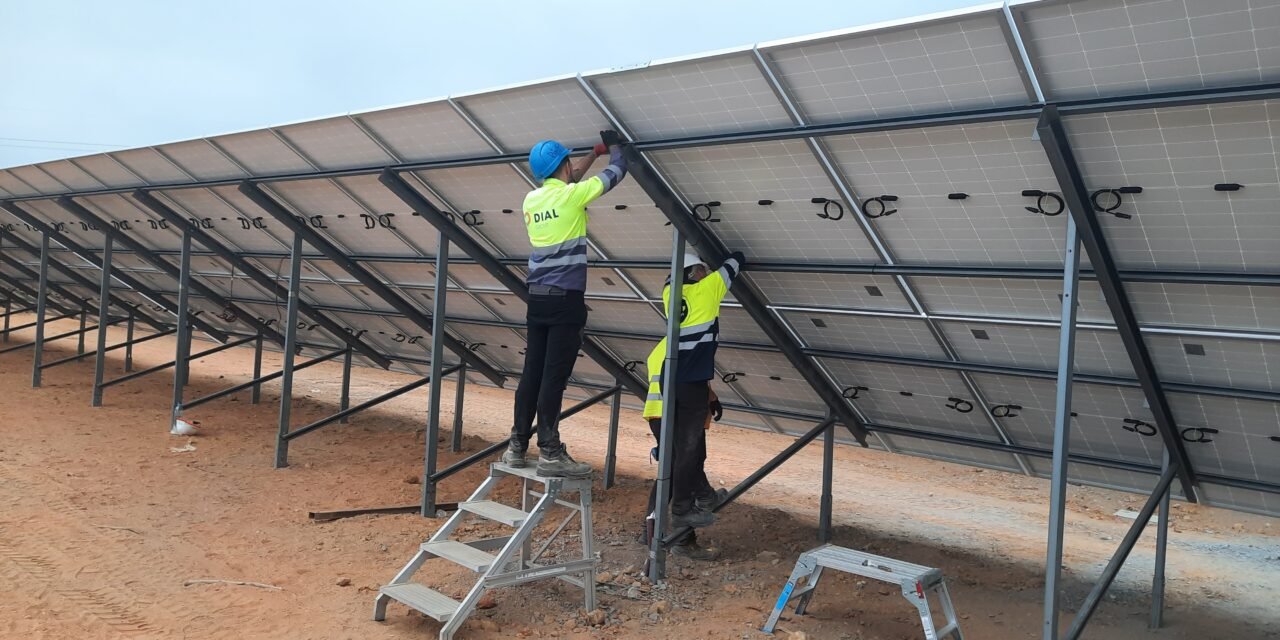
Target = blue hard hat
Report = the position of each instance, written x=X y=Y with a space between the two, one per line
x=545 y=158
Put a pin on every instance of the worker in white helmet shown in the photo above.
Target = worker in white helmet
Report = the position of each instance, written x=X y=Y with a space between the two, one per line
x=692 y=497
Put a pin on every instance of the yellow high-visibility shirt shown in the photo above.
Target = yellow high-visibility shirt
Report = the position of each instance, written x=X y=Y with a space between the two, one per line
x=556 y=218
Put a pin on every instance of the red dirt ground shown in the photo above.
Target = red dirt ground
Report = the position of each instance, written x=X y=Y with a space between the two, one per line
x=101 y=524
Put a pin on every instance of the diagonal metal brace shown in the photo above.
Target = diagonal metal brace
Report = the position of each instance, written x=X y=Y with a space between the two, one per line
x=500 y=272
x=710 y=248
x=81 y=280
x=35 y=295
x=90 y=256
x=1053 y=138
x=377 y=286
x=167 y=267
x=270 y=284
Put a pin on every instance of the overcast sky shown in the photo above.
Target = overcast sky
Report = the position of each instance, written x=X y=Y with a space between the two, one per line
x=82 y=76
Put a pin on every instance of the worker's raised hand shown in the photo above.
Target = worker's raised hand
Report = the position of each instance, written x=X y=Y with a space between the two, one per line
x=600 y=149
x=717 y=410
x=610 y=137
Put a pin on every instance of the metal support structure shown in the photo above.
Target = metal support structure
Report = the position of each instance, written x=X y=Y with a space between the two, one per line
x=1162 y=548
x=41 y=302
x=84 y=322
x=34 y=295
x=255 y=396
x=670 y=366
x=1061 y=432
x=130 y=325
x=88 y=217
x=1117 y=561
x=77 y=333
x=759 y=474
x=290 y=351
x=238 y=262
x=48 y=339
x=161 y=367
x=710 y=248
x=438 y=310
x=611 y=452
x=394 y=182
x=344 y=400
x=459 y=395
x=8 y=314
x=394 y=393
x=379 y=288
x=258 y=380
x=71 y=302
x=1053 y=137
x=182 y=361
x=828 y=474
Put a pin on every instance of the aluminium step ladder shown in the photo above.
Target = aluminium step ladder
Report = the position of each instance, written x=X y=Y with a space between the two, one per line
x=504 y=561
x=916 y=582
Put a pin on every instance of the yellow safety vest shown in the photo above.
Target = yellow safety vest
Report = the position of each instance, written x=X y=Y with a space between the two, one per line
x=556 y=218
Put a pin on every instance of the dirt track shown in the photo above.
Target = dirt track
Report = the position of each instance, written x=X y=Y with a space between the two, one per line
x=101 y=524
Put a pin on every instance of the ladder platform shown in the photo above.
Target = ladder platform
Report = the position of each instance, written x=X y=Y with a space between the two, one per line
x=422 y=598
x=496 y=511
x=530 y=472
x=876 y=567
x=461 y=554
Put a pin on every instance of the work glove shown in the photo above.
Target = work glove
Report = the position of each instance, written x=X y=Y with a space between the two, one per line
x=717 y=410
x=610 y=137
x=600 y=149
x=737 y=255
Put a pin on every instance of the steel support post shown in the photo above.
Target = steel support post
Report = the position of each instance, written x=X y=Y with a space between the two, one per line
x=182 y=361
x=1117 y=561
x=344 y=401
x=290 y=351
x=255 y=395
x=128 y=337
x=1061 y=432
x=84 y=322
x=1053 y=137
x=459 y=395
x=828 y=473
x=104 y=292
x=662 y=499
x=1162 y=548
x=41 y=301
x=437 y=376
x=611 y=454
x=8 y=314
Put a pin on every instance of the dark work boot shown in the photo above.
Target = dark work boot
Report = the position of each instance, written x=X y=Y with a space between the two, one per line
x=560 y=465
x=696 y=518
x=690 y=549
x=514 y=455
x=712 y=501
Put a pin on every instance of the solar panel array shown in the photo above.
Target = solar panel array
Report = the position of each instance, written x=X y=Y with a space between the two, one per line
x=940 y=364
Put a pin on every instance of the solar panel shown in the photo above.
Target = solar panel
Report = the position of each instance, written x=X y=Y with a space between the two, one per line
x=920 y=154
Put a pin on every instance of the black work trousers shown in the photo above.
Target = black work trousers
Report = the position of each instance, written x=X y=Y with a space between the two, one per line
x=555 y=326
x=688 y=447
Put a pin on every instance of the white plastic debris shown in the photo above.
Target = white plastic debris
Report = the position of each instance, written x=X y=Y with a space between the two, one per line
x=183 y=449
x=183 y=428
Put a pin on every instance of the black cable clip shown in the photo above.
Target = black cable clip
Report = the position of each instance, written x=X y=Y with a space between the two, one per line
x=827 y=205
x=399 y=337
x=706 y=207
x=1200 y=434
x=881 y=202
x=475 y=346
x=851 y=393
x=1275 y=438
x=227 y=315
x=631 y=365
x=1228 y=186
x=472 y=218
x=960 y=404
x=1116 y=193
x=1006 y=410
x=1040 y=196
x=1139 y=427
x=958 y=196
x=732 y=376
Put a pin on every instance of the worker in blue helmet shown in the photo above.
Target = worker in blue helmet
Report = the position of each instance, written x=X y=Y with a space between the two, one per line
x=555 y=216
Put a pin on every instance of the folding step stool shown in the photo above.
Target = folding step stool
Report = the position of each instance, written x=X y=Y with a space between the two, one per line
x=917 y=583
x=514 y=563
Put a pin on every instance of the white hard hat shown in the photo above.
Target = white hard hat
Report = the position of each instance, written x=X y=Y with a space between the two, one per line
x=692 y=260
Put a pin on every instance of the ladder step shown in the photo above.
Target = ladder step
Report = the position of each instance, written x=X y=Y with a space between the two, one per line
x=948 y=630
x=461 y=554
x=495 y=511
x=424 y=599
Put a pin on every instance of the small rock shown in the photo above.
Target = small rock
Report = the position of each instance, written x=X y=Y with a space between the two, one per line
x=766 y=556
x=412 y=480
x=597 y=618
x=659 y=607
x=570 y=624
x=485 y=624
x=884 y=592
x=798 y=635
x=604 y=578
x=634 y=593
x=487 y=601
x=731 y=589
x=344 y=582
x=631 y=568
